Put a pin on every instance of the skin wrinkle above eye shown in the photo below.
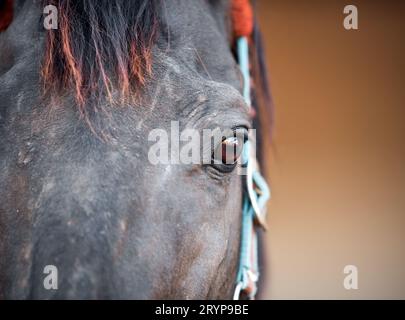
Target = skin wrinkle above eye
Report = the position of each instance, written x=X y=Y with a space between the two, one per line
x=207 y=116
x=206 y=101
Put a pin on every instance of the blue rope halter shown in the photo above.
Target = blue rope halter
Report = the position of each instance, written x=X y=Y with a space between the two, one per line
x=254 y=200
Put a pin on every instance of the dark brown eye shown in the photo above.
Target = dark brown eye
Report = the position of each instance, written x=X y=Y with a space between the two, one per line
x=227 y=153
x=231 y=150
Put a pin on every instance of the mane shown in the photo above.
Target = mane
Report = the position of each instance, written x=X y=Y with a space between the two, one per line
x=100 y=45
x=262 y=99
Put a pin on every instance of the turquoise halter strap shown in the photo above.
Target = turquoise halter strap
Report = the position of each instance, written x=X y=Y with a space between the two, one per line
x=254 y=200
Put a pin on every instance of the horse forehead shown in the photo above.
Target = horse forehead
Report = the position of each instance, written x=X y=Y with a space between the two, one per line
x=183 y=87
x=186 y=14
x=199 y=32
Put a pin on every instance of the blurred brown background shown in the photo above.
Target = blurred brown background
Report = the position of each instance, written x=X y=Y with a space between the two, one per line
x=338 y=165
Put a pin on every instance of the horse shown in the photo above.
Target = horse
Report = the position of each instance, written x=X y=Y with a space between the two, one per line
x=77 y=190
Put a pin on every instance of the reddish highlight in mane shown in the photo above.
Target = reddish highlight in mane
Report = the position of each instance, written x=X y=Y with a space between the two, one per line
x=6 y=15
x=92 y=58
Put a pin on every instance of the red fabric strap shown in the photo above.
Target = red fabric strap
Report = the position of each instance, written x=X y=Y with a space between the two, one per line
x=242 y=18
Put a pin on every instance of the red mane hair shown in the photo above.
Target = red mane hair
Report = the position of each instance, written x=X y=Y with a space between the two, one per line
x=99 y=46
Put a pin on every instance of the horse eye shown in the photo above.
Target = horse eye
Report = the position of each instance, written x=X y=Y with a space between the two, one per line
x=231 y=150
x=227 y=153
